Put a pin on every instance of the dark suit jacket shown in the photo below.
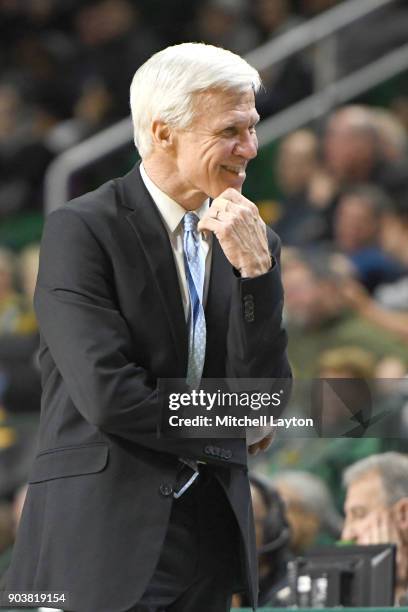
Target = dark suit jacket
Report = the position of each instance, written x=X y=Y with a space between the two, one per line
x=112 y=323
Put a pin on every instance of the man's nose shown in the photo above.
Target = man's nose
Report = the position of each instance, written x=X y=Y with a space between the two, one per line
x=247 y=147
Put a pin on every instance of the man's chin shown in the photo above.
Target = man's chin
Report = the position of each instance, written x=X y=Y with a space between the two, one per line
x=237 y=182
x=220 y=186
x=237 y=185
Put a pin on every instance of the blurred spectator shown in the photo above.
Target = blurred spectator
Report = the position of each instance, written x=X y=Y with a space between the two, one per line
x=376 y=507
x=224 y=23
x=13 y=521
x=394 y=240
x=354 y=153
x=289 y=80
x=28 y=268
x=297 y=161
x=42 y=68
x=310 y=510
x=272 y=540
x=23 y=157
x=390 y=367
x=61 y=85
x=18 y=351
x=20 y=390
x=399 y=107
x=394 y=232
x=350 y=144
x=346 y=362
x=348 y=407
x=392 y=134
x=111 y=34
x=357 y=223
x=12 y=307
x=18 y=442
x=300 y=222
x=381 y=408
x=6 y=526
x=325 y=457
x=395 y=322
x=91 y=113
x=318 y=317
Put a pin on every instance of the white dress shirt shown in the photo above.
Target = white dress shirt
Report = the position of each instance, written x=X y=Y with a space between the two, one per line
x=172 y=215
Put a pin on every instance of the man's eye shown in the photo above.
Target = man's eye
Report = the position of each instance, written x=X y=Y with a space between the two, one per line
x=233 y=131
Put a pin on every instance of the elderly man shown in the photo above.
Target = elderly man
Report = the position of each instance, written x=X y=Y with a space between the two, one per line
x=141 y=280
x=376 y=507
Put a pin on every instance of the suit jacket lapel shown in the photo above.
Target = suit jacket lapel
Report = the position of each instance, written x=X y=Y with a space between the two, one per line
x=217 y=307
x=219 y=290
x=152 y=234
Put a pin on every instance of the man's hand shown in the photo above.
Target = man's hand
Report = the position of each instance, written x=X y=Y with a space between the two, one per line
x=263 y=444
x=380 y=527
x=240 y=231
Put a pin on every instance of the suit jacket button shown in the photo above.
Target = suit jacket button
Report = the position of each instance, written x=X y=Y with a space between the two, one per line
x=166 y=489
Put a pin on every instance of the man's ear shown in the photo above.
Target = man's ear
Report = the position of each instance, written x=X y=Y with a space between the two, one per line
x=162 y=134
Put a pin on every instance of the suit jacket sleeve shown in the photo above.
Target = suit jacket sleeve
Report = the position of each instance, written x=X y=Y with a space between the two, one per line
x=256 y=343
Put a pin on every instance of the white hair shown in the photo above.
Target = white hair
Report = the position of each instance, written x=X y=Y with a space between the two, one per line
x=392 y=468
x=313 y=494
x=164 y=86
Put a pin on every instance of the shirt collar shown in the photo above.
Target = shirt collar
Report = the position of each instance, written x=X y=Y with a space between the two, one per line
x=172 y=213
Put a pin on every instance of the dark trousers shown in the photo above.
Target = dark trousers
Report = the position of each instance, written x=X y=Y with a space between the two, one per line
x=200 y=565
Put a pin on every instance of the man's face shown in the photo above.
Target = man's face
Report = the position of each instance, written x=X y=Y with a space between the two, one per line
x=297 y=161
x=364 y=495
x=356 y=225
x=213 y=152
x=302 y=295
x=349 y=152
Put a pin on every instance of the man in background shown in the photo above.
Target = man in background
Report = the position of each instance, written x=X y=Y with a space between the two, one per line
x=376 y=507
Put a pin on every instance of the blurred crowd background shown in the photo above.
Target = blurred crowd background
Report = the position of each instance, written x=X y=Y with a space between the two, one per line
x=336 y=191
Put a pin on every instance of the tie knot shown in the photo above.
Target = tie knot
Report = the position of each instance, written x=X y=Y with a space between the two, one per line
x=190 y=221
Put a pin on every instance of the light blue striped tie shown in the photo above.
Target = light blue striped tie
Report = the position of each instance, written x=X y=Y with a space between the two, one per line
x=195 y=271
